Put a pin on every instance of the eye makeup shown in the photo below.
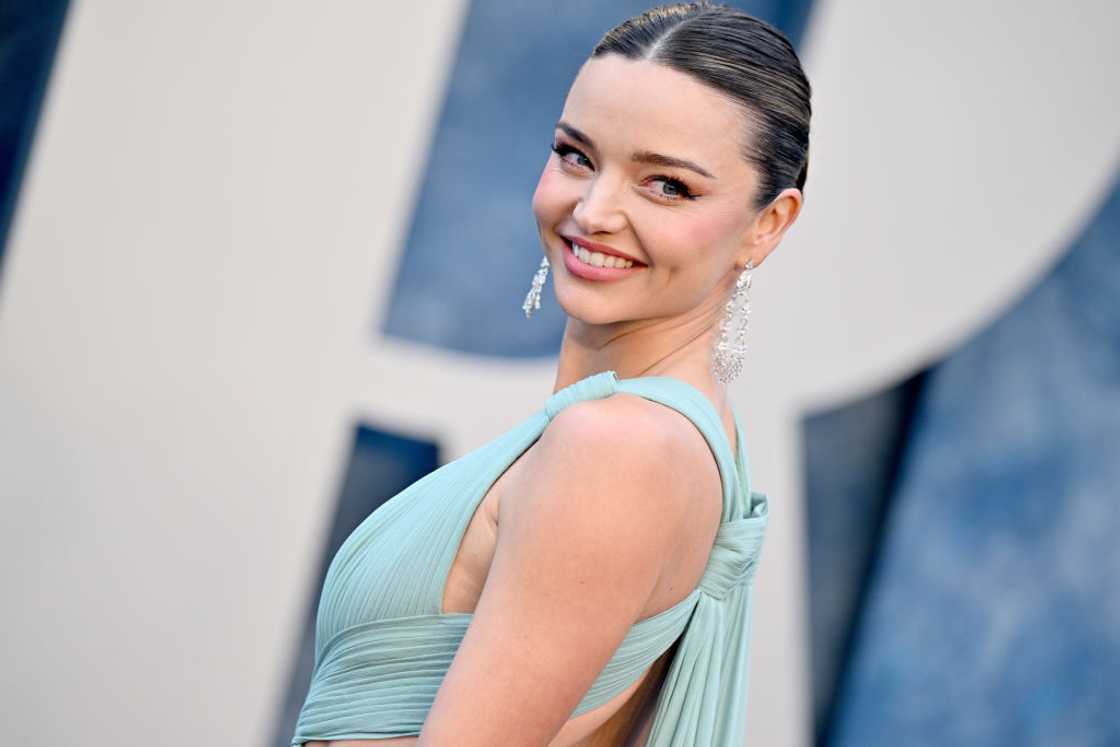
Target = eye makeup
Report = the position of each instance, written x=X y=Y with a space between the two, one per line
x=681 y=189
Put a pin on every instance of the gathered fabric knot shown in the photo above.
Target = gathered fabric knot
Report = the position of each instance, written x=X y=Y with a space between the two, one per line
x=596 y=386
x=735 y=552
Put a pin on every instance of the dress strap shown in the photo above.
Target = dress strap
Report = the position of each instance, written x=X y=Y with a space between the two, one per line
x=595 y=386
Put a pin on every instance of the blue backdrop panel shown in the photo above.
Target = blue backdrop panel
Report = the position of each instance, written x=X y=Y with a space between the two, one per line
x=851 y=462
x=472 y=246
x=993 y=617
x=381 y=465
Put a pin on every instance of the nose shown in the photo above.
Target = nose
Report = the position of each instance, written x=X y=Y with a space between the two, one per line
x=599 y=211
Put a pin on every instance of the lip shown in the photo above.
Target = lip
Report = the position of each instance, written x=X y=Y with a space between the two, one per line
x=591 y=246
x=590 y=272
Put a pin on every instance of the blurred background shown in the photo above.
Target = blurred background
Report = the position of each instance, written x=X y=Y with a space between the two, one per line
x=262 y=267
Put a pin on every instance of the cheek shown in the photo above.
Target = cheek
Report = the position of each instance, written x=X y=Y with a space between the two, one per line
x=680 y=240
x=554 y=197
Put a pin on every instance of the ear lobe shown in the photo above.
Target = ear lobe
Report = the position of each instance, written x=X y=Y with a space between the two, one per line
x=750 y=249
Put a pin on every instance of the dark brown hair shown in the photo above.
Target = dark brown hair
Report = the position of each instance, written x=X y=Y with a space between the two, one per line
x=742 y=57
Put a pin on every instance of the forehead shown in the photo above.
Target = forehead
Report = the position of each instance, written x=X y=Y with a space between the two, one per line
x=638 y=104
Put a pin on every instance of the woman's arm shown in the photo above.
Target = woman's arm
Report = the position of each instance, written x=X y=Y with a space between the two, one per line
x=582 y=541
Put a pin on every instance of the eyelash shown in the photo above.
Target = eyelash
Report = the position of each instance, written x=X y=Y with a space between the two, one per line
x=683 y=192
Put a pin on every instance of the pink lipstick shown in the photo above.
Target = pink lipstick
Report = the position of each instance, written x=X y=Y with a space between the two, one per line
x=581 y=269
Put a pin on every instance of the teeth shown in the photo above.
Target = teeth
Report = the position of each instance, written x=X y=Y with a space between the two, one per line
x=598 y=259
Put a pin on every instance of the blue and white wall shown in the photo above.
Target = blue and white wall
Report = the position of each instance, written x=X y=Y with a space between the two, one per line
x=234 y=317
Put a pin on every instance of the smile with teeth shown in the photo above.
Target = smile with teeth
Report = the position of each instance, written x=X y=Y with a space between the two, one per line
x=598 y=259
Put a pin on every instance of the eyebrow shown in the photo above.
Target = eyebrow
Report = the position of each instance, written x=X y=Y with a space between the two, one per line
x=640 y=156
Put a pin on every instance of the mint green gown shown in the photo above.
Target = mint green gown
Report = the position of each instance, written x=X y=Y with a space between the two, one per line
x=382 y=647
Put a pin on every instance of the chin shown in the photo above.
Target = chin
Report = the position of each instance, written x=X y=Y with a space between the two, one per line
x=584 y=308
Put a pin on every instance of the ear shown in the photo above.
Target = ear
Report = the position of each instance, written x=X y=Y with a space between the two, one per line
x=768 y=227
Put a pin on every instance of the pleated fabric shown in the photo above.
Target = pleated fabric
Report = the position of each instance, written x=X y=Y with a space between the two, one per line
x=383 y=646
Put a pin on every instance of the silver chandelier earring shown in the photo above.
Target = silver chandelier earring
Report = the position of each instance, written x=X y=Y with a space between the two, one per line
x=533 y=299
x=731 y=347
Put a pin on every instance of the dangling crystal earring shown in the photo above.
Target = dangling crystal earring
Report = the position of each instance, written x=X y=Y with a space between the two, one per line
x=533 y=299
x=727 y=359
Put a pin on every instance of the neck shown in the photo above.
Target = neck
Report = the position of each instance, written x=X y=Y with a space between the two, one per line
x=679 y=346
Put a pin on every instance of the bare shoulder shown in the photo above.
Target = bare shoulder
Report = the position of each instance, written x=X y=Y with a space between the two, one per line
x=636 y=460
x=634 y=475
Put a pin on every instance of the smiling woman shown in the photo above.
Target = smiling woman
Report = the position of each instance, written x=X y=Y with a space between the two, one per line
x=585 y=579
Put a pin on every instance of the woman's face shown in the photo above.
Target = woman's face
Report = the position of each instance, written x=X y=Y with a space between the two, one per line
x=646 y=163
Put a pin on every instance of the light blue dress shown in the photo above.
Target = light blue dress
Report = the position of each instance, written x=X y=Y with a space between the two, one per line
x=382 y=647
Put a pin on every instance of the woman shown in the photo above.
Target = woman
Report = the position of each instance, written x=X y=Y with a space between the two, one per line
x=585 y=578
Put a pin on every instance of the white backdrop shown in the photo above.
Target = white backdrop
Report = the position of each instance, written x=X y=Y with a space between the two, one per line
x=217 y=198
